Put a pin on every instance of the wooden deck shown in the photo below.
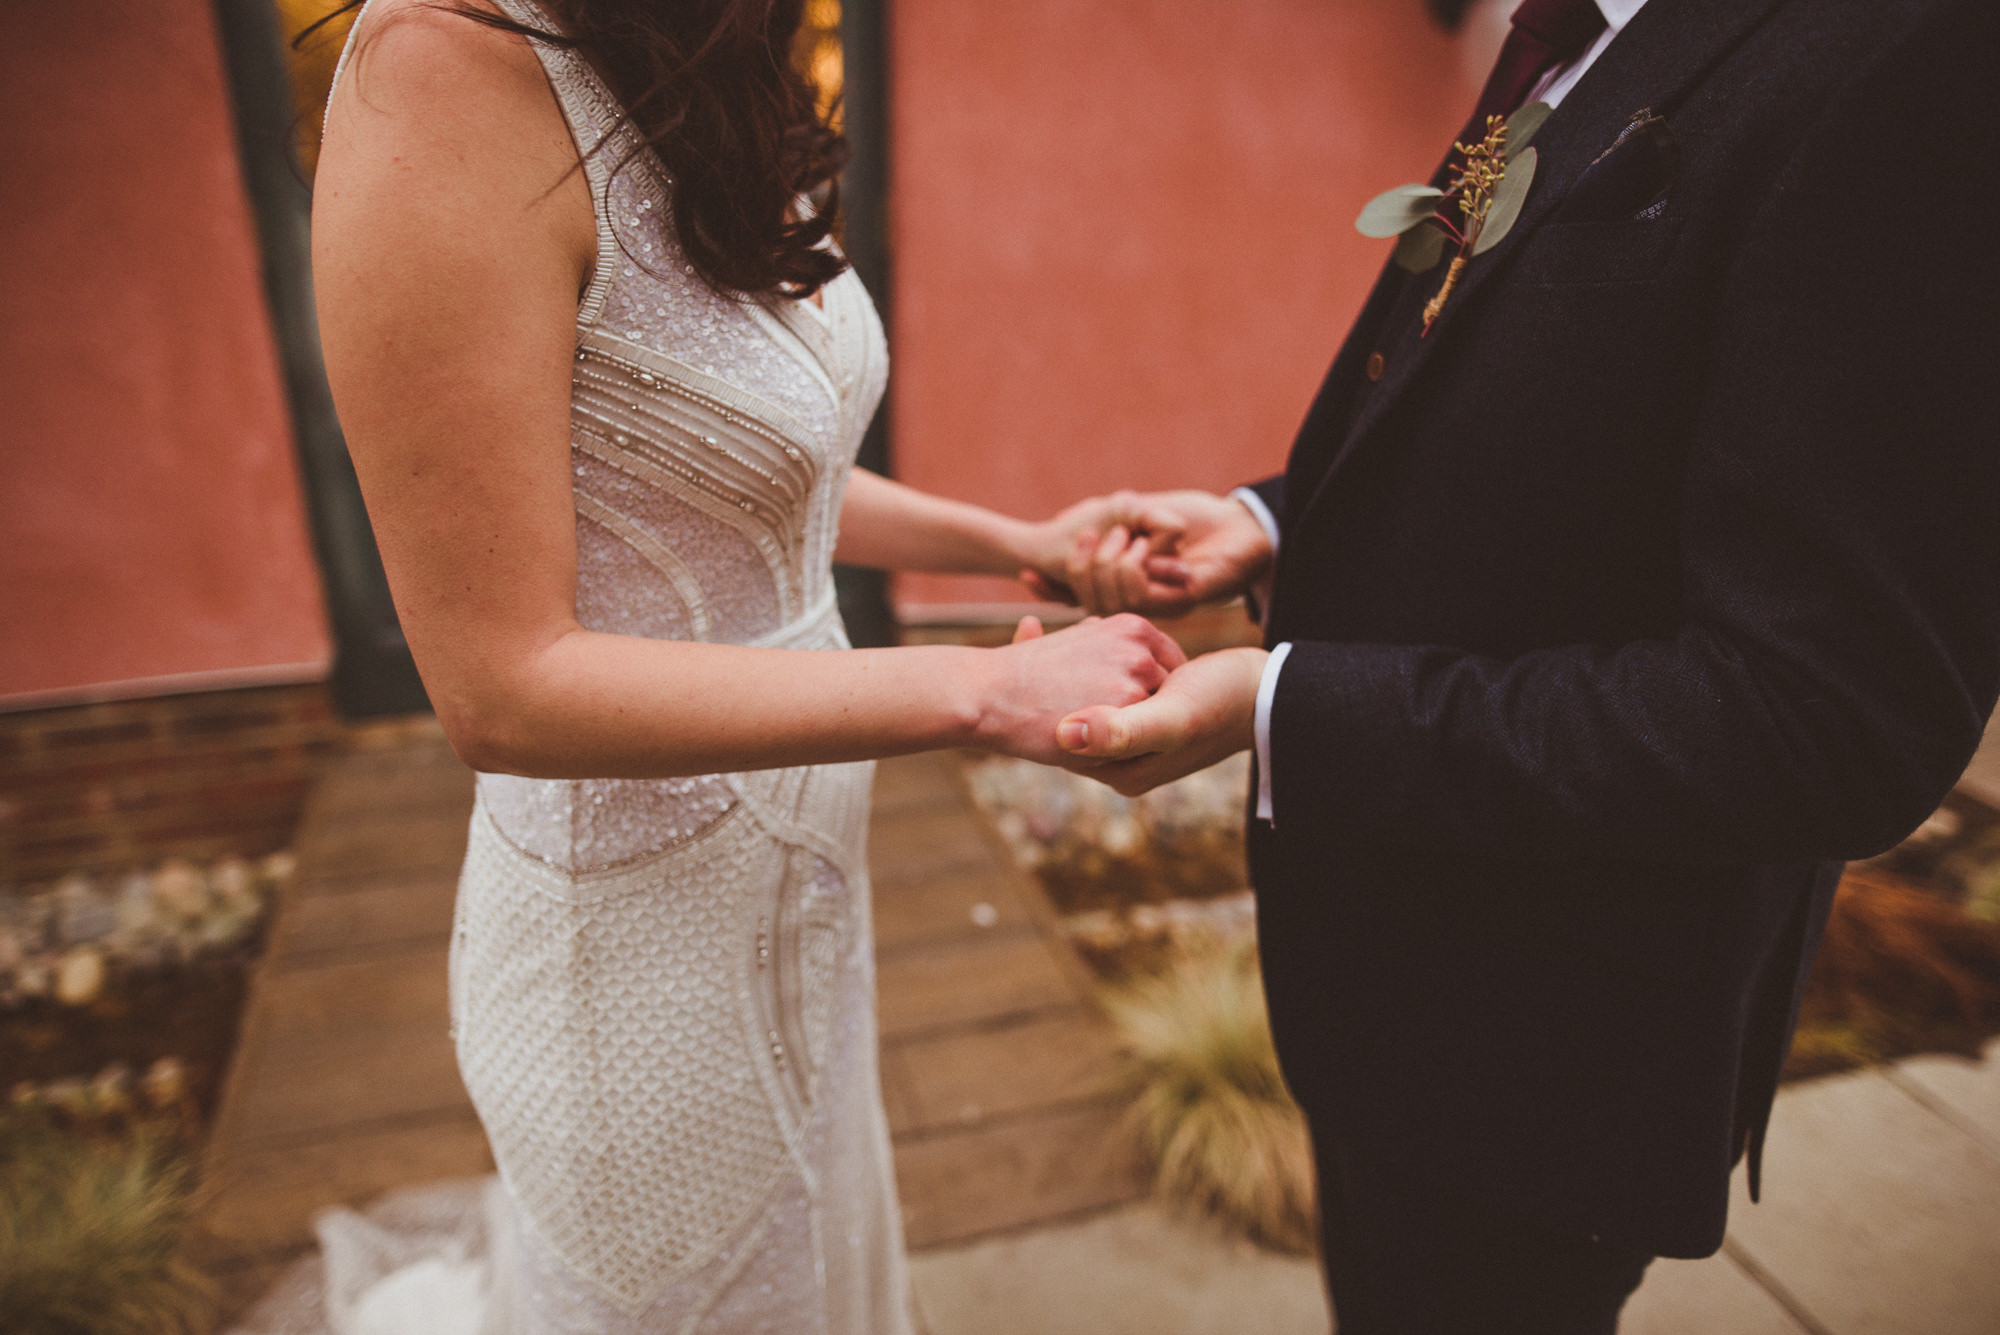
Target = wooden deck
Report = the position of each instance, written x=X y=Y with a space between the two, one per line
x=344 y=1084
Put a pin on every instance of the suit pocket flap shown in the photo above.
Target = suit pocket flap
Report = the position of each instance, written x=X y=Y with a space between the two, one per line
x=1631 y=250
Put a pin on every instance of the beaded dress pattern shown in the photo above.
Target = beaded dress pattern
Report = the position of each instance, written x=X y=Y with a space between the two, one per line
x=662 y=991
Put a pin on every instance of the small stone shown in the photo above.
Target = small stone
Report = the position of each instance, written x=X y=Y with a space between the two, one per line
x=80 y=976
x=165 y=1084
x=111 y=1092
x=180 y=888
x=69 y=1096
x=82 y=913
x=279 y=867
x=33 y=977
x=232 y=879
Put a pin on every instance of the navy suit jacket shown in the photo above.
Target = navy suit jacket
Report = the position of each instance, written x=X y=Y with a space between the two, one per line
x=1660 y=577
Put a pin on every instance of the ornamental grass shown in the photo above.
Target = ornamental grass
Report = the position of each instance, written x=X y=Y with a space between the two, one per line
x=90 y=1232
x=1902 y=970
x=1209 y=1102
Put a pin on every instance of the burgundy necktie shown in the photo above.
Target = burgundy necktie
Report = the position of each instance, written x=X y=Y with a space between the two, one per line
x=1547 y=35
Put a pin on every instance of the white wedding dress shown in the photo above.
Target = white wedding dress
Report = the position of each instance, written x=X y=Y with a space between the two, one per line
x=663 y=991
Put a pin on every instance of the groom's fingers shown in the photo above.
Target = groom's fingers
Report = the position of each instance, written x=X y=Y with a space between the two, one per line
x=1130 y=574
x=1103 y=573
x=1165 y=525
x=1029 y=629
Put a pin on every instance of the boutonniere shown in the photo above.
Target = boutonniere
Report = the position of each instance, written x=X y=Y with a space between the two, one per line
x=1487 y=189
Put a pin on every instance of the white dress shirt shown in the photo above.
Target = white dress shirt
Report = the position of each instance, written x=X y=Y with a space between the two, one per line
x=1553 y=88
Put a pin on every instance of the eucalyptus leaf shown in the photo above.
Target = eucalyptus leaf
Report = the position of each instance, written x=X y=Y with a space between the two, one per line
x=1521 y=126
x=1508 y=197
x=1394 y=212
x=1420 y=249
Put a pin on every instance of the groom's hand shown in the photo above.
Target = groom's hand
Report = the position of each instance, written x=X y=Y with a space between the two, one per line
x=1039 y=679
x=1203 y=713
x=1160 y=553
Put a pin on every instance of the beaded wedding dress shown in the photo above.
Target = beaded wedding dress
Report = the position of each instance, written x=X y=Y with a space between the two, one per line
x=662 y=991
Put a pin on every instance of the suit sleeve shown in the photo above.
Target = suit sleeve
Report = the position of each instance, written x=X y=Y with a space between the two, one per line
x=1840 y=647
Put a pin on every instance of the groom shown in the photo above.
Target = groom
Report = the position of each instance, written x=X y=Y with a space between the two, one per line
x=1609 y=615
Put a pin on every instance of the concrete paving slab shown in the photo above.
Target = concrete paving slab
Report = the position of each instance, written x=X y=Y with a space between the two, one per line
x=1133 y=1271
x=1880 y=1217
x=1982 y=777
x=1966 y=1092
x=1711 y=1297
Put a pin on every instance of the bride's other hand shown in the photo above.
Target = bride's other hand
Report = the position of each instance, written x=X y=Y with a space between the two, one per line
x=1041 y=678
x=1126 y=517
x=1212 y=548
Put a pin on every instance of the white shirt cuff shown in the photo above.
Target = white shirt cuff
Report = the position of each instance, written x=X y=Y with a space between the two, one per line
x=1260 y=592
x=1262 y=513
x=1267 y=690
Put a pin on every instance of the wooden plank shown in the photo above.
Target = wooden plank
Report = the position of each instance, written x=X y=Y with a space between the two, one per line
x=968 y=982
x=390 y=911
x=264 y=1199
x=1008 y=1174
x=334 y=850
x=968 y=1076
x=917 y=845
x=946 y=907
x=359 y=1079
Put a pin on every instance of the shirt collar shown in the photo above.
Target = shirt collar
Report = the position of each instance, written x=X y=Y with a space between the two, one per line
x=1618 y=13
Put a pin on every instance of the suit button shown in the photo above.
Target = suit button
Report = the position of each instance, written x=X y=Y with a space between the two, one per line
x=1376 y=365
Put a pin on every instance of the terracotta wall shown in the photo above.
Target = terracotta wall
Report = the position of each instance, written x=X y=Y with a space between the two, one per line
x=152 y=529
x=1123 y=238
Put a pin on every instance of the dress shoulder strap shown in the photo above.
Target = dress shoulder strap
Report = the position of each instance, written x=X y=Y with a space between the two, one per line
x=603 y=137
x=597 y=125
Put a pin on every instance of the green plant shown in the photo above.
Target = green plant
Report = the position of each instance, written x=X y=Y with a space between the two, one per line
x=1900 y=970
x=1209 y=1101
x=90 y=1231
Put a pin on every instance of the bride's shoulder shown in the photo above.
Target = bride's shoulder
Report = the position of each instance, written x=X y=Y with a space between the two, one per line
x=445 y=129
x=436 y=60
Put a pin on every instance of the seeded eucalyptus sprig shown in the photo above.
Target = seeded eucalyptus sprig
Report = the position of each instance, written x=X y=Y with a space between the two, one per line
x=1488 y=187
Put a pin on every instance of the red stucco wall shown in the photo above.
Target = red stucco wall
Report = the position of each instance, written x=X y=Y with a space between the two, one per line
x=151 y=522
x=1122 y=232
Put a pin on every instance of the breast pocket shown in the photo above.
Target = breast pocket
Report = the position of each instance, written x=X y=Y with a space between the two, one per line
x=1630 y=250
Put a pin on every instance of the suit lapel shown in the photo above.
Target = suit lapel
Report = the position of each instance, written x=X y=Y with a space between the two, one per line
x=1665 y=50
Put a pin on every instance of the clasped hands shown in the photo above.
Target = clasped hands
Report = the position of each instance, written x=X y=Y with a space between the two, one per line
x=1160 y=554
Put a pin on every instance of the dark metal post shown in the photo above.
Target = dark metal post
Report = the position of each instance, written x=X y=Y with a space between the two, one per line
x=864 y=193
x=373 y=672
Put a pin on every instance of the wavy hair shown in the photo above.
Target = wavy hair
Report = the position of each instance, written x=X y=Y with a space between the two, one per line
x=710 y=86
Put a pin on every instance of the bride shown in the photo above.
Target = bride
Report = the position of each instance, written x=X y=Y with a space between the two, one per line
x=603 y=375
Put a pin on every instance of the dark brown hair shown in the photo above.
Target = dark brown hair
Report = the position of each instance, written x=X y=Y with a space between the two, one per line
x=711 y=87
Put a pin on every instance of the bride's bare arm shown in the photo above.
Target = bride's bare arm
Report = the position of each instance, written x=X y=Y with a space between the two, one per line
x=451 y=240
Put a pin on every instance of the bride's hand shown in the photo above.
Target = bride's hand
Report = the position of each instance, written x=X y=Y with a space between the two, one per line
x=1131 y=521
x=1040 y=679
x=1160 y=553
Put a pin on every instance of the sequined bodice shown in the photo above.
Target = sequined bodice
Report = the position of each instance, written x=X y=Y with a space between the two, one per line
x=711 y=441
